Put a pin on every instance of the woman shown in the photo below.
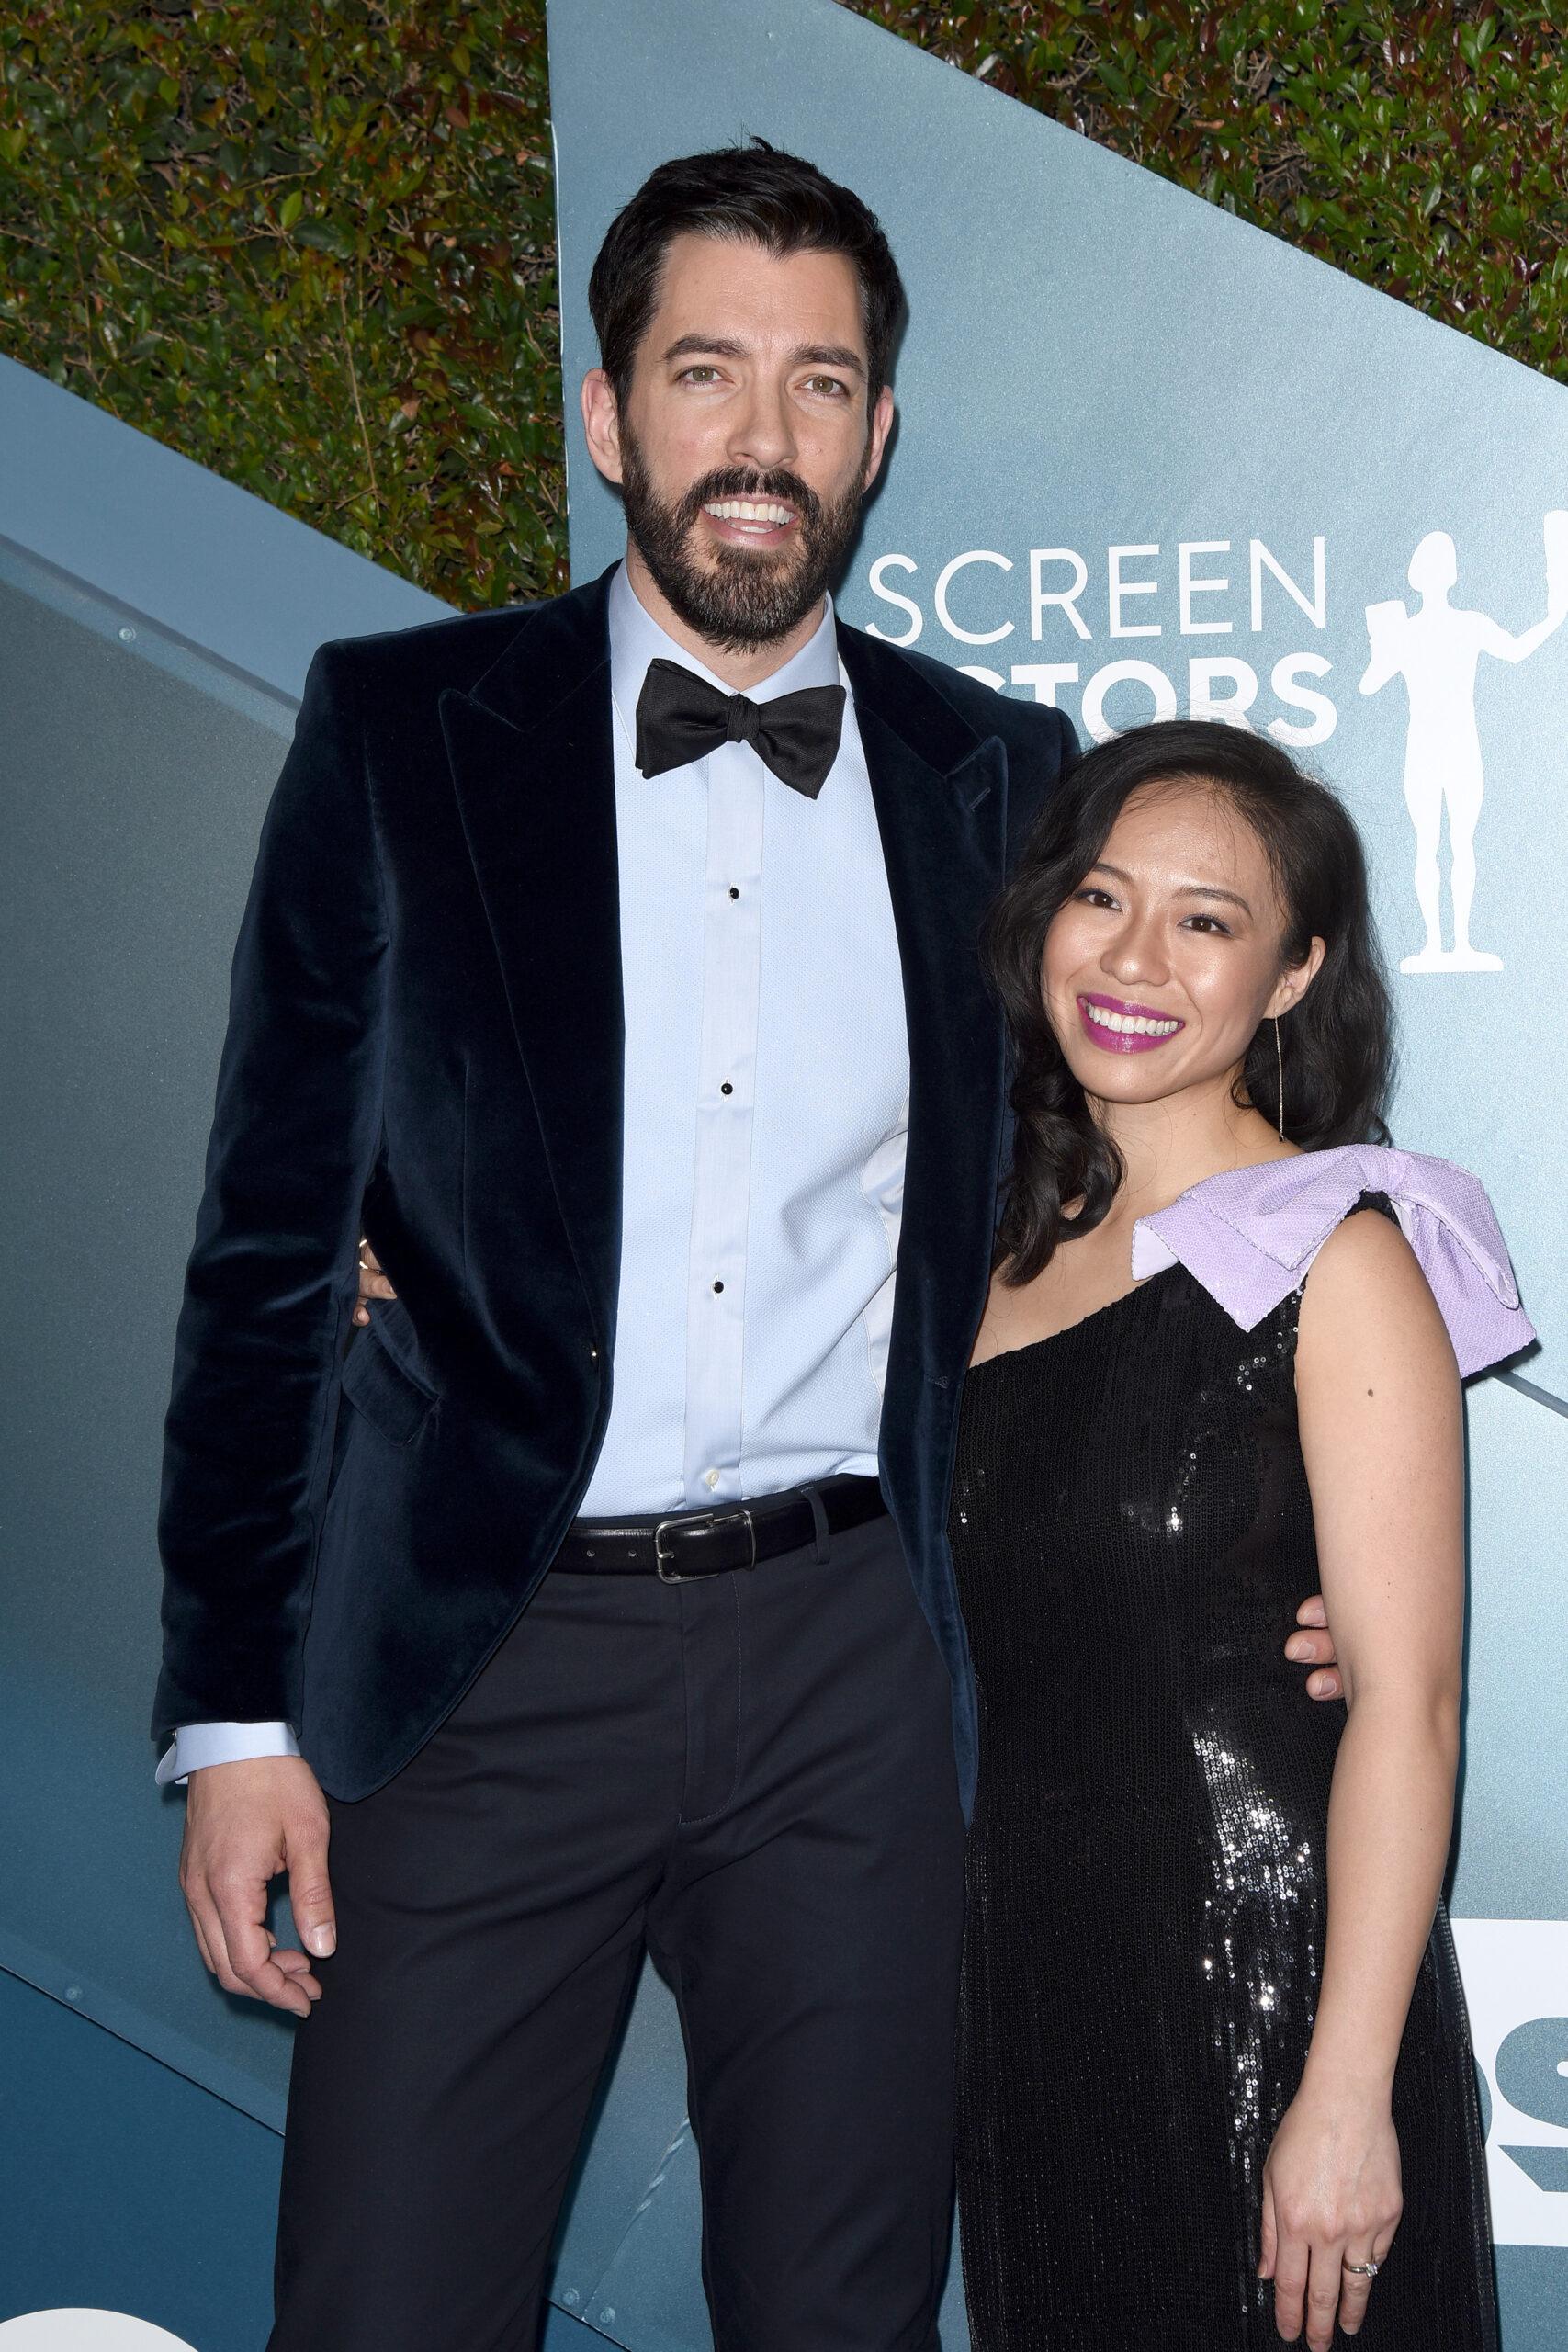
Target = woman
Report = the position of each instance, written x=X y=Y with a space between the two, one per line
x=1213 y=2051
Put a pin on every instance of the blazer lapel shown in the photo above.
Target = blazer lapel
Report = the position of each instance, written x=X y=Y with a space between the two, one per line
x=533 y=767
x=941 y=794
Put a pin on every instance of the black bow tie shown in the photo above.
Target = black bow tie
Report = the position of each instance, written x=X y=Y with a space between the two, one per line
x=679 y=718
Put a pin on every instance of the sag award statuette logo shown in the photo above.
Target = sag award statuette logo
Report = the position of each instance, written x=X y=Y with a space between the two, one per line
x=1436 y=649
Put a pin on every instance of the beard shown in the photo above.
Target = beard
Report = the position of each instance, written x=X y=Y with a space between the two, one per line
x=735 y=597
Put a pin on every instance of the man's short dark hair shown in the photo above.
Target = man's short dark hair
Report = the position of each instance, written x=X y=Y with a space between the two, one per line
x=777 y=201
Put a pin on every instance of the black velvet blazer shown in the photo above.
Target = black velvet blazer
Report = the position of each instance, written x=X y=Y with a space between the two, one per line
x=425 y=1044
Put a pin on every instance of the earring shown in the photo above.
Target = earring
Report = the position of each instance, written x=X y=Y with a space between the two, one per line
x=1280 y=1065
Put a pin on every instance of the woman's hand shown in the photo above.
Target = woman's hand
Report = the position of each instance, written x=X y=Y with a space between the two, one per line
x=1331 y=2196
x=373 y=1283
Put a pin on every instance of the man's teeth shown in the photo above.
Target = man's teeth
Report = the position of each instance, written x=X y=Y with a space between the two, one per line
x=764 y=512
x=1135 y=1024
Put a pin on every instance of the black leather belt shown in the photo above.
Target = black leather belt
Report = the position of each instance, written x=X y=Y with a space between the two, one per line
x=695 y=1544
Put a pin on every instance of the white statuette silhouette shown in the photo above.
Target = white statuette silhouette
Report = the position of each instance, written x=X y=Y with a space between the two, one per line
x=1436 y=649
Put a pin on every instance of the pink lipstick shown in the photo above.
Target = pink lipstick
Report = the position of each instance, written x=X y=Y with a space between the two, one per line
x=1121 y=1028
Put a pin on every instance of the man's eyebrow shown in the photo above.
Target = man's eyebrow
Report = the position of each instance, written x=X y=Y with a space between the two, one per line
x=1183 y=889
x=808 y=354
x=830 y=355
x=725 y=345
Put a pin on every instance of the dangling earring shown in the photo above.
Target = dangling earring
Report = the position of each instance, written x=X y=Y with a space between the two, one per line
x=1280 y=1065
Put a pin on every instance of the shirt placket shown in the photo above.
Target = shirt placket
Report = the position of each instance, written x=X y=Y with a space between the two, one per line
x=715 y=1297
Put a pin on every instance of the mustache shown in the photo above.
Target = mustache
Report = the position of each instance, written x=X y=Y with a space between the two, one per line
x=743 y=481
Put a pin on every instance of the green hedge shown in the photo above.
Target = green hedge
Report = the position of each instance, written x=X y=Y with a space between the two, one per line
x=1422 y=148
x=313 y=248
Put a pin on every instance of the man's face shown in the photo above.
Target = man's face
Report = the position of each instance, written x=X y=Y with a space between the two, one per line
x=746 y=443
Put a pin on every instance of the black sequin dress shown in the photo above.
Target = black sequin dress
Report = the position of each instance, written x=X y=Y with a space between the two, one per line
x=1133 y=1534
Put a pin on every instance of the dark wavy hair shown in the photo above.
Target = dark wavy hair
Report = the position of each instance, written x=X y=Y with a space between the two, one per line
x=757 y=193
x=1337 y=1043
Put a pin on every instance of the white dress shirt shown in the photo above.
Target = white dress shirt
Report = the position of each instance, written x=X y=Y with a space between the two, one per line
x=767 y=1091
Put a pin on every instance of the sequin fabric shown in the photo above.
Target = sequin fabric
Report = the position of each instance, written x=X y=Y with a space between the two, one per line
x=1132 y=1533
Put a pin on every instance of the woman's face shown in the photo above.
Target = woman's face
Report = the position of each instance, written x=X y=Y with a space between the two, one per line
x=1160 y=967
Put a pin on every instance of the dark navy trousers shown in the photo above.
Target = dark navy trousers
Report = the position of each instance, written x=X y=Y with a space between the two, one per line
x=753 y=1777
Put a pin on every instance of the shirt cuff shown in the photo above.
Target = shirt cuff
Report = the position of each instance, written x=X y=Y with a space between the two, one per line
x=196 y=1746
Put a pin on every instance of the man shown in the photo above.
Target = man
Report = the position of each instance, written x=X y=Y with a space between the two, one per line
x=612 y=966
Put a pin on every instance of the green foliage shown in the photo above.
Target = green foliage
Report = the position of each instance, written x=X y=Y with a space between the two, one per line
x=1422 y=148
x=313 y=247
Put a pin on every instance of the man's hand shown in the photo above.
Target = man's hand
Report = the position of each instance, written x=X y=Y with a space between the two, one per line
x=1315 y=1648
x=244 y=1823
x=373 y=1283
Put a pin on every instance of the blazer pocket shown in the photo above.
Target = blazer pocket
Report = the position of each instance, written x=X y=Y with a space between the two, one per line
x=378 y=1387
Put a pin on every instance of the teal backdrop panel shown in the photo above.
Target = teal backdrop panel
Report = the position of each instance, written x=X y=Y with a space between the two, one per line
x=1150 y=459
x=155 y=625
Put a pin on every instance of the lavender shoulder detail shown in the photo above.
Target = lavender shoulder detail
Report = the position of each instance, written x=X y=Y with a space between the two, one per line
x=1250 y=1235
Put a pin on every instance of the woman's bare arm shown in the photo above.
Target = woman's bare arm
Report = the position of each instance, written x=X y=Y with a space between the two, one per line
x=1381 y=1427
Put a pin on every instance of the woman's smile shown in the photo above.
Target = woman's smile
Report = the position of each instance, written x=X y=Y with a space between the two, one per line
x=1121 y=1028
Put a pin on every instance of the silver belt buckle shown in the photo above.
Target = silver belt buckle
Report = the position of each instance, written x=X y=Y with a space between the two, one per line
x=709 y=1519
